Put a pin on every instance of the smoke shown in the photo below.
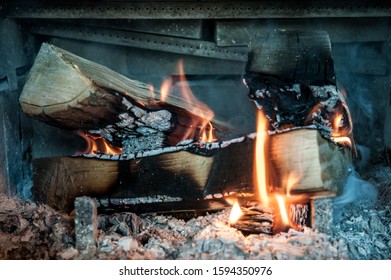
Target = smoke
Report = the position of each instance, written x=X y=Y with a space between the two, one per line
x=356 y=191
x=364 y=154
x=359 y=69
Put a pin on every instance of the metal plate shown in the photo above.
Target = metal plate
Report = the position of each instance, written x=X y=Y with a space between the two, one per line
x=188 y=28
x=238 y=33
x=195 y=9
x=142 y=40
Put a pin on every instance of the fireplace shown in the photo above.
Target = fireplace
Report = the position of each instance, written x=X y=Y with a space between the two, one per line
x=127 y=200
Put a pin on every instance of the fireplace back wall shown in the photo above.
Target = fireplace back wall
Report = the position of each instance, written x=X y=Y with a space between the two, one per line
x=144 y=41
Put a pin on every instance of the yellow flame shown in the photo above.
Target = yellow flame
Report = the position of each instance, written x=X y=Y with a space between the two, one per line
x=207 y=133
x=201 y=127
x=339 y=133
x=342 y=140
x=235 y=214
x=337 y=122
x=283 y=211
x=165 y=89
x=259 y=161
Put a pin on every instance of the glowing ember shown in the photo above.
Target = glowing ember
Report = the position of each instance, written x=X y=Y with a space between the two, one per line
x=97 y=144
x=337 y=122
x=341 y=123
x=339 y=131
x=235 y=214
x=342 y=140
x=259 y=161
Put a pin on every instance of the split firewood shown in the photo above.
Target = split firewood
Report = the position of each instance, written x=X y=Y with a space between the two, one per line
x=304 y=162
x=290 y=76
x=198 y=173
x=213 y=171
x=71 y=92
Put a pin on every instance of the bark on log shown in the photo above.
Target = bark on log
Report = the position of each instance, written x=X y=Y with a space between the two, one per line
x=225 y=169
x=292 y=56
x=290 y=76
x=68 y=91
x=59 y=180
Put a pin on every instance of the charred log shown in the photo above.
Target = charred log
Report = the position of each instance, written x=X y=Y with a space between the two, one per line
x=192 y=171
x=257 y=219
x=290 y=76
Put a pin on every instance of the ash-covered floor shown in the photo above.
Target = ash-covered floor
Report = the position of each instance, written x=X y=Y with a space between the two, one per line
x=362 y=230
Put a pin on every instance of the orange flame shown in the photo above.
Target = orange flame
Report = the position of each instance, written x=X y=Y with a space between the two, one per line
x=337 y=122
x=342 y=127
x=201 y=127
x=165 y=89
x=199 y=108
x=260 y=171
x=207 y=133
x=98 y=144
x=282 y=207
x=277 y=201
x=259 y=161
x=339 y=132
x=235 y=214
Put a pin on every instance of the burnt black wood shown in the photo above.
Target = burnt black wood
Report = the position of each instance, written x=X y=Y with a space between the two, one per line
x=293 y=56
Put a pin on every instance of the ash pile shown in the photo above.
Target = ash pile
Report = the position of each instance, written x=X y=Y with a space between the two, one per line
x=361 y=231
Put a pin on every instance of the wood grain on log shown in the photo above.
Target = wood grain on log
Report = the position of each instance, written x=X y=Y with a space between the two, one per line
x=226 y=169
x=68 y=91
x=290 y=76
x=58 y=181
x=307 y=163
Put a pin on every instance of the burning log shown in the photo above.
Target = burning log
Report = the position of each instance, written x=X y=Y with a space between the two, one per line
x=305 y=162
x=195 y=172
x=290 y=76
x=253 y=219
x=68 y=91
x=211 y=171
